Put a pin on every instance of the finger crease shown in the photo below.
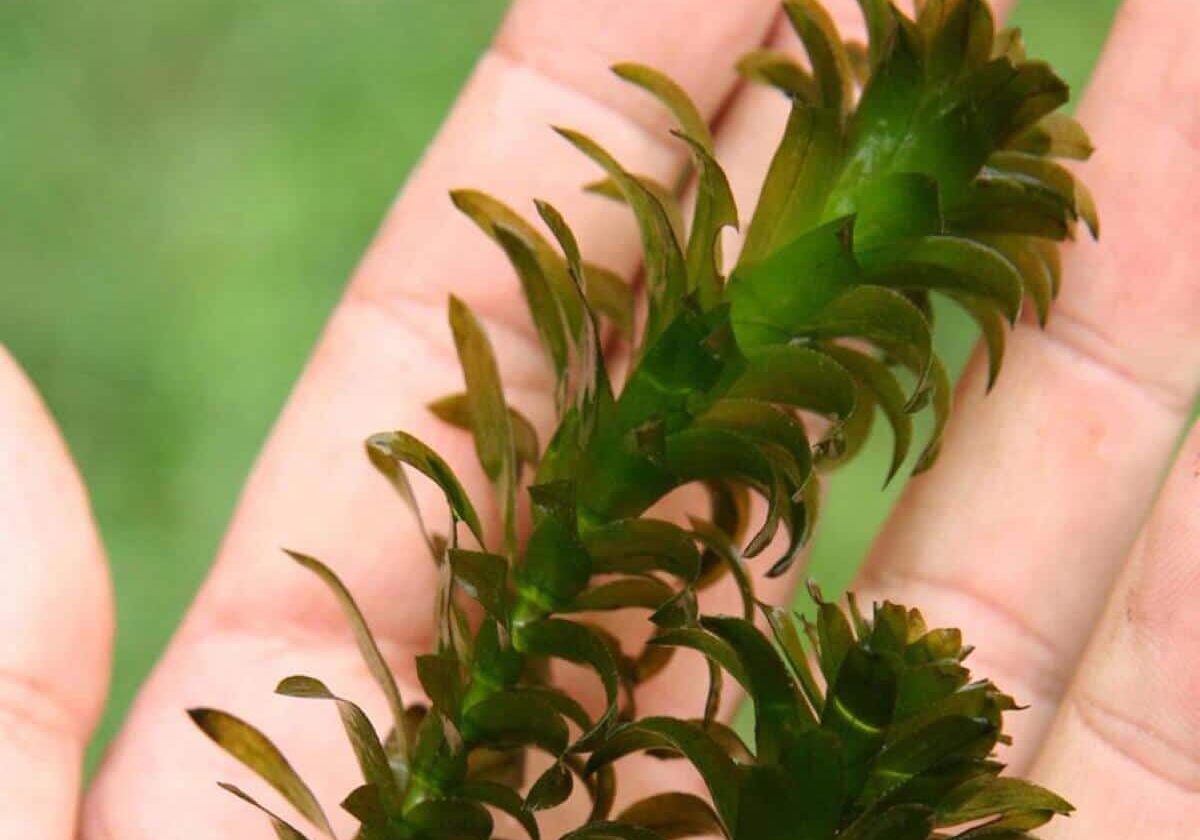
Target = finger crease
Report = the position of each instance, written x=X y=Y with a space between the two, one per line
x=415 y=317
x=27 y=703
x=516 y=59
x=1085 y=342
x=1139 y=743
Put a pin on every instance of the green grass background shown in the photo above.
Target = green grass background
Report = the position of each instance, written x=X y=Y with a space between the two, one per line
x=185 y=186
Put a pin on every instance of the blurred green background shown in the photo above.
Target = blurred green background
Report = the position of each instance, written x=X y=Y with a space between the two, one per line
x=185 y=186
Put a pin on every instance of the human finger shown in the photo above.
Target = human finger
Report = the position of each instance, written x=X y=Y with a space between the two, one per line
x=55 y=619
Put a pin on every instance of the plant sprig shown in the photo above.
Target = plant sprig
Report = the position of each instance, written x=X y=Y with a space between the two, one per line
x=918 y=166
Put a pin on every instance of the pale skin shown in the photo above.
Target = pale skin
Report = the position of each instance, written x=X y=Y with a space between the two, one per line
x=1060 y=530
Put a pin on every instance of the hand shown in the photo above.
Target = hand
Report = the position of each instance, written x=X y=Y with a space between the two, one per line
x=1039 y=532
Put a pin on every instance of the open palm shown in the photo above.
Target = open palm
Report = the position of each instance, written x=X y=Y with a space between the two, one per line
x=1042 y=533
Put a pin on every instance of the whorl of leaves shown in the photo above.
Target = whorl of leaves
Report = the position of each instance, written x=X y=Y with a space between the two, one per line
x=922 y=164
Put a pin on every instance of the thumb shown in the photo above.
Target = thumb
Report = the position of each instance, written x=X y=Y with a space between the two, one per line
x=55 y=619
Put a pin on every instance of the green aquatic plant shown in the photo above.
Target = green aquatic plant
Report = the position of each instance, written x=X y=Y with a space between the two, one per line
x=921 y=164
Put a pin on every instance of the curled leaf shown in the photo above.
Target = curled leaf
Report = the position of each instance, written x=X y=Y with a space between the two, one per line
x=389 y=452
x=283 y=829
x=255 y=750
x=368 y=749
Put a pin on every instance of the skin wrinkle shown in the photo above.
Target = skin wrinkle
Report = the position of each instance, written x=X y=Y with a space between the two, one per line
x=26 y=701
x=652 y=129
x=1138 y=742
x=417 y=317
x=1088 y=344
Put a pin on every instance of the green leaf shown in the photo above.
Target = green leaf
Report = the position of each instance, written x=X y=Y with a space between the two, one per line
x=442 y=678
x=883 y=317
x=943 y=740
x=601 y=787
x=960 y=35
x=455 y=409
x=485 y=577
x=860 y=61
x=715 y=209
x=798 y=377
x=1056 y=135
x=489 y=412
x=450 y=819
x=611 y=296
x=765 y=423
x=551 y=789
x=718 y=541
x=783 y=628
x=898 y=206
x=903 y=822
x=831 y=65
x=764 y=790
x=931 y=787
x=575 y=643
x=834 y=636
x=675 y=98
x=887 y=395
x=1053 y=260
x=368 y=749
x=778 y=713
x=283 y=829
x=638 y=546
x=556 y=566
x=504 y=799
x=365 y=805
x=885 y=121
x=1056 y=178
x=435 y=759
x=815 y=759
x=1022 y=253
x=512 y=719
x=699 y=454
x=588 y=378
x=922 y=686
x=796 y=184
x=389 y=451
x=665 y=271
x=562 y=703
x=998 y=204
x=941 y=390
x=673 y=815
x=881 y=23
x=777 y=69
x=367 y=647
x=666 y=196
x=858 y=709
x=991 y=324
x=974 y=700
x=774 y=301
x=548 y=319
x=606 y=830
x=490 y=214
x=718 y=771
x=713 y=647
x=641 y=592
x=987 y=797
x=955 y=264
x=255 y=750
